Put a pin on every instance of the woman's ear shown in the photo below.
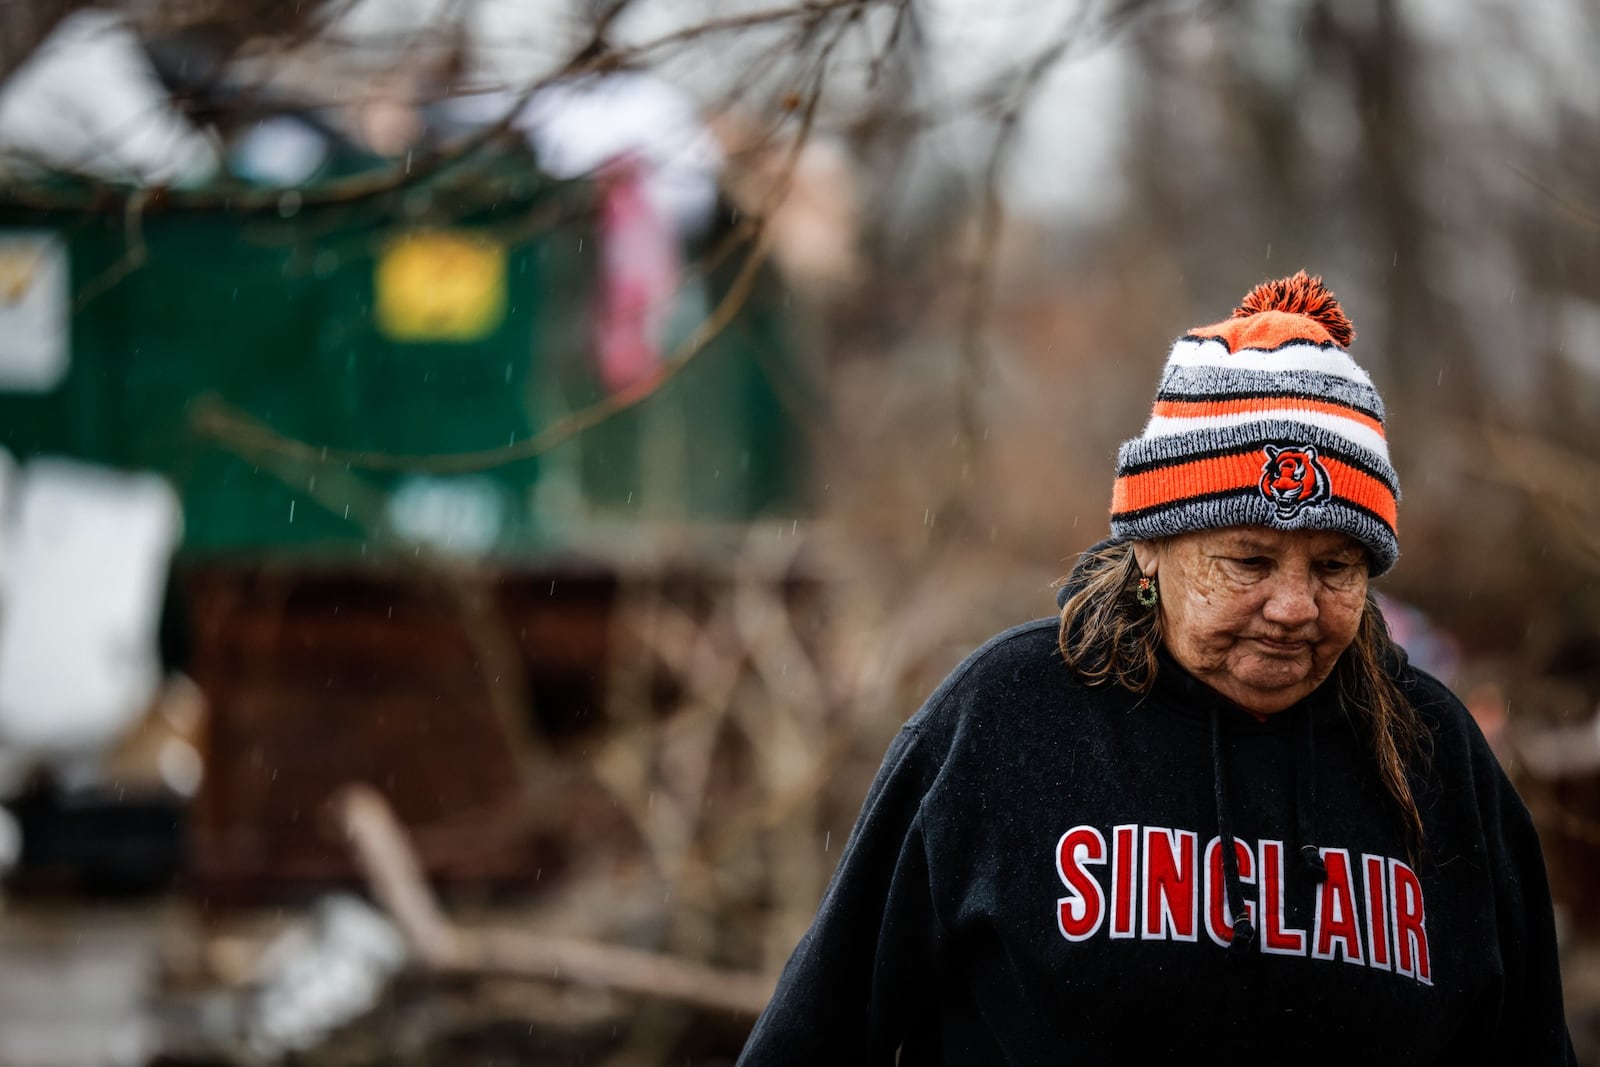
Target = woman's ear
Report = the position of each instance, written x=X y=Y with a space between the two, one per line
x=1147 y=556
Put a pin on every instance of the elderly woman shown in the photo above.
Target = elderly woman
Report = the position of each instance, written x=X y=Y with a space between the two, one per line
x=1211 y=810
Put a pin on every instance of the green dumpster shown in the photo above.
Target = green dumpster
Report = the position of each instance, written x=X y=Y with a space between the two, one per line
x=357 y=374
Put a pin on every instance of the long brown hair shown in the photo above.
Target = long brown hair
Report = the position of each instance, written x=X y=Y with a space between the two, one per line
x=1107 y=637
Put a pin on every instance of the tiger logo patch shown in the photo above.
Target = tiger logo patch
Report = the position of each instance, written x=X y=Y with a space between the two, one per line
x=1294 y=478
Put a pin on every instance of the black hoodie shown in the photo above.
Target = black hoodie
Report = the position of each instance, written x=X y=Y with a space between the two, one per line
x=1036 y=877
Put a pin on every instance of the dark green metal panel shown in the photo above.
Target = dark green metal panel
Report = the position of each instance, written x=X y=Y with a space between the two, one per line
x=269 y=317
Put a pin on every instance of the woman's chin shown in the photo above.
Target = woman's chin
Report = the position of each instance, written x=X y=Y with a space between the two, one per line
x=1267 y=687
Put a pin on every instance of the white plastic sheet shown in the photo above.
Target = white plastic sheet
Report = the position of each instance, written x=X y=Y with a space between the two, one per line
x=80 y=605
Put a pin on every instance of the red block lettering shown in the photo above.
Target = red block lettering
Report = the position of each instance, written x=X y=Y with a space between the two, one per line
x=1377 y=912
x=1337 y=925
x=1080 y=914
x=1219 y=924
x=1277 y=937
x=1410 y=937
x=1124 y=879
x=1171 y=896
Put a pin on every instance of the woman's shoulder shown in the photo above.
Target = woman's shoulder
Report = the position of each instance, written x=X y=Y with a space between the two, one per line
x=1016 y=670
x=1456 y=745
x=1438 y=706
x=1425 y=692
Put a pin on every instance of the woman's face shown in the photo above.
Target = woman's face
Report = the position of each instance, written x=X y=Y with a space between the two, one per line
x=1259 y=615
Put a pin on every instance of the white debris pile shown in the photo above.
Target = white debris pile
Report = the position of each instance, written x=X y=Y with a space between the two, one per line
x=89 y=101
x=87 y=560
x=320 y=975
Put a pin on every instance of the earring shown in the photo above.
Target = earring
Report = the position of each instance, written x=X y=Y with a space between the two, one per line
x=1147 y=594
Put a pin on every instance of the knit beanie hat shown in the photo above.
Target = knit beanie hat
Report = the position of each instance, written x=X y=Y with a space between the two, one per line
x=1263 y=420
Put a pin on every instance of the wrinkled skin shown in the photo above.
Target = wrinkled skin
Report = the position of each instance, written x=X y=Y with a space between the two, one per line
x=1259 y=615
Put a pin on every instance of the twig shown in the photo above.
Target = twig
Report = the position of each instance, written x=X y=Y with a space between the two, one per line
x=386 y=858
x=981 y=288
x=517 y=952
x=1571 y=824
x=1526 y=462
x=810 y=12
x=396 y=881
x=1520 y=457
x=500 y=664
x=26 y=27
x=134 y=256
x=595 y=56
x=902 y=15
x=1580 y=213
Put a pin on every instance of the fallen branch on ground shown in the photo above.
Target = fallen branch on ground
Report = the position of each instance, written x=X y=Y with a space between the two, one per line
x=395 y=877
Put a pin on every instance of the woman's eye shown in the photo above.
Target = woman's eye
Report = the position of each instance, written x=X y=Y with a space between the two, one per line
x=1338 y=569
x=1252 y=561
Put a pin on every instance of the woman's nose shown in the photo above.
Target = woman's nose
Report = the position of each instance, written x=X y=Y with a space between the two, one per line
x=1292 y=602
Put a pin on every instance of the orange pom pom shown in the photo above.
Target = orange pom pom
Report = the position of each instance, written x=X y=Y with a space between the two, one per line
x=1301 y=295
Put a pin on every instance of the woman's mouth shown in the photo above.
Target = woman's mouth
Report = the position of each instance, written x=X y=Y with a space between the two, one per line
x=1284 y=648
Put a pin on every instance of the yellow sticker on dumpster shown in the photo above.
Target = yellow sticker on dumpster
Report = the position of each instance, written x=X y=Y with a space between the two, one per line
x=441 y=285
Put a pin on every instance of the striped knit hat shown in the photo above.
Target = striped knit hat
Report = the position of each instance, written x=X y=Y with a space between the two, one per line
x=1263 y=420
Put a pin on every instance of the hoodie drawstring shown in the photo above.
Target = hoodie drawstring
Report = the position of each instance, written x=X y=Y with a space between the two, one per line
x=1306 y=783
x=1244 y=931
x=1311 y=864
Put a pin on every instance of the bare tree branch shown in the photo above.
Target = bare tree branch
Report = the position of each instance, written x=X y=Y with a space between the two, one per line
x=215 y=419
x=24 y=26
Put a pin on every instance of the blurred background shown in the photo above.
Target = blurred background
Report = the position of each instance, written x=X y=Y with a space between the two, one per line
x=483 y=481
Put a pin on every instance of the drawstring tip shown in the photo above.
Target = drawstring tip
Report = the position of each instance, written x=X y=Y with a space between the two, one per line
x=1311 y=863
x=1244 y=937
